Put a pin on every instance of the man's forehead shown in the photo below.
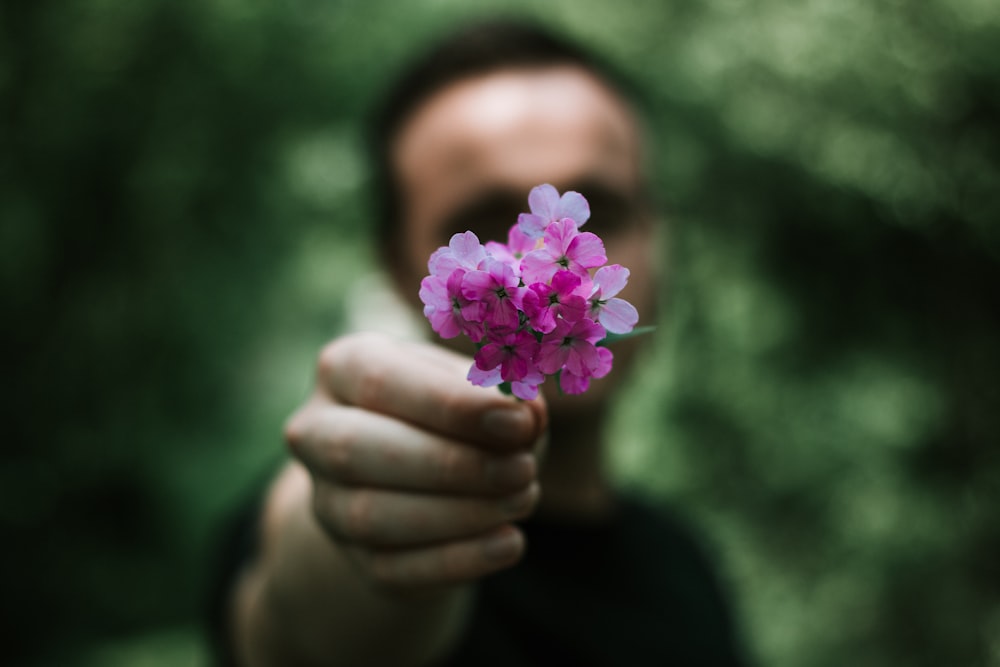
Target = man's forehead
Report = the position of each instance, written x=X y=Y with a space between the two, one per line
x=510 y=130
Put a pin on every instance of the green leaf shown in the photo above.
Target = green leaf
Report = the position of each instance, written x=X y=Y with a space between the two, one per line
x=614 y=338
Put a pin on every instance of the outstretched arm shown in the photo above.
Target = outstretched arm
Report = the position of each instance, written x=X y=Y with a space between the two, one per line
x=405 y=482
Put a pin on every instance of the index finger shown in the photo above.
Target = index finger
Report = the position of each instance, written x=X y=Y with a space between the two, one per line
x=426 y=386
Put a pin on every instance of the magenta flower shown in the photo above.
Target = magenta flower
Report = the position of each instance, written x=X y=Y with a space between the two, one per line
x=543 y=304
x=564 y=248
x=487 y=378
x=499 y=291
x=525 y=389
x=571 y=347
x=577 y=384
x=616 y=315
x=513 y=352
x=444 y=306
x=464 y=251
x=531 y=304
x=518 y=245
x=547 y=207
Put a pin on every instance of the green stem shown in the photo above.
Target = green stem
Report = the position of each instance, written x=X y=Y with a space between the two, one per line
x=614 y=338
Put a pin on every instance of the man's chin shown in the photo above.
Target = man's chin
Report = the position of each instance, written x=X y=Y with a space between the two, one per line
x=572 y=404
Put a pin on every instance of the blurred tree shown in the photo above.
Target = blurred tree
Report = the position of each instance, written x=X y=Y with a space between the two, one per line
x=832 y=377
x=180 y=208
x=146 y=210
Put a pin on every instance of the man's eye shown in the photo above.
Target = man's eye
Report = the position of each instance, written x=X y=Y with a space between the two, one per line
x=488 y=228
x=608 y=222
x=494 y=230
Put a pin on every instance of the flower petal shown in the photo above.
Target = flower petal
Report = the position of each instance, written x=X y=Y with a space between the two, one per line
x=468 y=250
x=531 y=225
x=477 y=284
x=588 y=330
x=520 y=243
x=489 y=356
x=573 y=384
x=573 y=205
x=611 y=280
x=538 y=267
x=604 y=367
x=543 y=201
x=442 y=262
x=524 y=390
x=433 y=292
x=552 y=356
x=565 y=282
x=573 y=308
x=618 y=316
x=559 y=236
x=490 y=378
x=587 y=249
x=583 y=359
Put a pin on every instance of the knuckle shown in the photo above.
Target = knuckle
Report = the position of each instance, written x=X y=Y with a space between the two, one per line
x=372 y=381
x=356 y=516
x=343 y=356
x=331 y=357
x=342 y=348
x=453 y=466
x=324 y=503
x=453 y=406
x=339 y=352
x=341 y=451
x=523 y=503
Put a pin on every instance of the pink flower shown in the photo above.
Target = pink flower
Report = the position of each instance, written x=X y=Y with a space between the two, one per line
x=498 y=289
x=570 y=347
x=565 y=248
x=525 y=389
x=444 y=306
x=530 y=304
x=547 y=206
x=616 y=315
x=518 y=245
x=464 y=251
x=577 y=384
x=512 y=352
x=544 y=303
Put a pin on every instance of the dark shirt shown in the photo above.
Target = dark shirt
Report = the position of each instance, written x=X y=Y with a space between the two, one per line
x=632 y=591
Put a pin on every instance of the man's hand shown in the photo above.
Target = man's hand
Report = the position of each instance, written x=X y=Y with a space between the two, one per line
x=417 y=475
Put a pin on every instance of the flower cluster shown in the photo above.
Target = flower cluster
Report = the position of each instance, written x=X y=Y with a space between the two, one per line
x=538 y=305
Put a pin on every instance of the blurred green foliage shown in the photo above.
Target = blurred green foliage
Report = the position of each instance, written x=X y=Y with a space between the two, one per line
x=181 y=213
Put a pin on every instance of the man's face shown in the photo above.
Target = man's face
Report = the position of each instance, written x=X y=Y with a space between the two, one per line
x=469 y=156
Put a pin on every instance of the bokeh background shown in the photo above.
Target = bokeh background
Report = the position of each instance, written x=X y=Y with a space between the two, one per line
x=183 y=216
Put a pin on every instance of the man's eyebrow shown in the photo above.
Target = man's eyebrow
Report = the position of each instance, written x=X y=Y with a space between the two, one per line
x=487 y=211
x=602 y=196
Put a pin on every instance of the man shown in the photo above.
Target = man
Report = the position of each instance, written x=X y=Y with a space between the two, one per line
x=397 y=535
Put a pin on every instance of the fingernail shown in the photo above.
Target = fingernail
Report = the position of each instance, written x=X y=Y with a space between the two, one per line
x=519 y=504
x=511 y=425
x=504 y=545
x=512 y=471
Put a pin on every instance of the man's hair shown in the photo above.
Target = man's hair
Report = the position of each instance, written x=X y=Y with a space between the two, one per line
x=477 y=49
